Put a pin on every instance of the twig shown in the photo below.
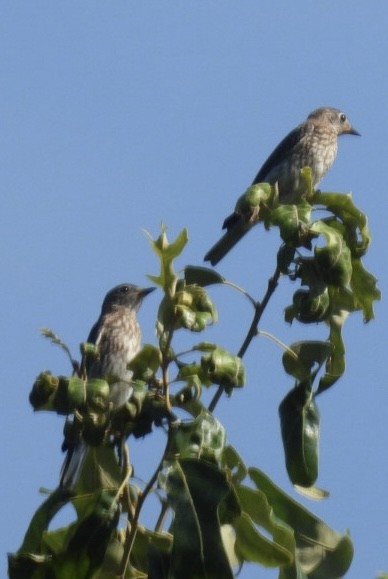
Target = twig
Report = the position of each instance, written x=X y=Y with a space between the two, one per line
x=132 y=529
x=278 y=342
x=124 y=487
x=252 y=332
x=164 y=367
x=259 y=310
x=240 y=289
x=162 y=516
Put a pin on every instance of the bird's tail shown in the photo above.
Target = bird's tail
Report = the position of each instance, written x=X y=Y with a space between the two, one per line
x=227 y=241
x=72 y=466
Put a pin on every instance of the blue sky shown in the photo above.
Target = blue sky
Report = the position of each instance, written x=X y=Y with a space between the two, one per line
x=117 y=116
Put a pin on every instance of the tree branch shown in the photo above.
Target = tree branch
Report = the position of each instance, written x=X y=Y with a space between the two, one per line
x=252 y=332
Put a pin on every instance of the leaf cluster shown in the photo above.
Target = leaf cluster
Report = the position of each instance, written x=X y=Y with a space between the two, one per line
x=215 y=512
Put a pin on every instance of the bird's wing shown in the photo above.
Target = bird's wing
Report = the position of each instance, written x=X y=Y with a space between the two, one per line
x=238 y=225
x=283 y=150
x=95 y=336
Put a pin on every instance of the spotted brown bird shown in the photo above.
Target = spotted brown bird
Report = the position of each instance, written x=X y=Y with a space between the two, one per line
x=312 y=144
x=117 y=335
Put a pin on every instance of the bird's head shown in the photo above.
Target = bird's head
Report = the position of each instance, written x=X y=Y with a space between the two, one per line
x=125 y=295
x=333 y=119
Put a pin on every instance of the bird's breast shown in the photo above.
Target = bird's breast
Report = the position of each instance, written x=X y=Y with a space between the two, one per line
x=119 y=342
x=318 y=154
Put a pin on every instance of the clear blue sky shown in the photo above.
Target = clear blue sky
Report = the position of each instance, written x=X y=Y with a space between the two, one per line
x=116 y=116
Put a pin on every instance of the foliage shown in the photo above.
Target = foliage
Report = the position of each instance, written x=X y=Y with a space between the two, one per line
x=224 y=513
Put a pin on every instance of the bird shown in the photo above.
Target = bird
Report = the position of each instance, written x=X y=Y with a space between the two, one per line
x=313 y=143
x=117 y=335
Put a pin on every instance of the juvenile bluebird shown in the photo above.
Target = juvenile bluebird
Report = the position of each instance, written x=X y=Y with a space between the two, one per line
x=312 y=144
x=117 y=335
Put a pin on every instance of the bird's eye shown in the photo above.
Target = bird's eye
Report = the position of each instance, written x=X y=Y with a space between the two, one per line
x=124 y=289
x=342 y=117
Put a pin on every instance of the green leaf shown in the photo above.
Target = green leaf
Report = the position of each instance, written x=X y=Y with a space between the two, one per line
x=189 y=396
x=89 y=350
x=94 y=530
x=310 y=306
x=64 y=394
x=307 y=175
x=223 y=368
x=306 y=356
x=174 y=249
x=202 y=276
x=71 y=394
x=253 y=546
x=203 y=437
x=334 y=259
x=285 y=257
x=294 y=223
x=146 y=363
x=187 y=370
x=190 y=308
x=355 y=223
x=43 y=391
x=321 y=551
x=255 y=504
x=99 y=470
x=41 y=520
x=97 y=394
x=44 y=567
x=196 y=300
x=149 y=546
x=196 y=489
x=167 y=252
x=233 y=461
x=335 y=365
x=78 y=549
x=299 y=419
x=249 y=205
x=364 y=287
x=205 y=347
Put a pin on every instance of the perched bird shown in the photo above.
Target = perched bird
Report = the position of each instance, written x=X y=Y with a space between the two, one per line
x=312 y=144
x=117 y=335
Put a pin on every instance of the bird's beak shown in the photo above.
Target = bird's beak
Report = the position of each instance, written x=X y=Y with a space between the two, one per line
x=145 y=291
x=352 y=131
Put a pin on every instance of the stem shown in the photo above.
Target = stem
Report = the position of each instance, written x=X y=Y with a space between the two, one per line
x=278 y=342
x=132 y=530
x=164 y=367
x=259 y=310
x=127 y=469
x=240 y=289
x=252 y=332
x=124 y=487
x=162 y=516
